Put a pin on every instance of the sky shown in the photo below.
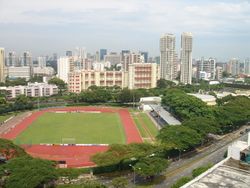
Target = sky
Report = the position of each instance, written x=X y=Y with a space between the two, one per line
x=221 y=28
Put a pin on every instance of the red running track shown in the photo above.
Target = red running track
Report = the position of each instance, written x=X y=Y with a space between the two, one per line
x=132 y=134
x=75 y=156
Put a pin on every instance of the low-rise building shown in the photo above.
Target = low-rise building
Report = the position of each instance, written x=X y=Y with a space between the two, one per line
x=82 y=80
x=19 y=72
x=31 y=90
x=140 y=75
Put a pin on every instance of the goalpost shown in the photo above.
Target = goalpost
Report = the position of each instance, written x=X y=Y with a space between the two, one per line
x=68 y=141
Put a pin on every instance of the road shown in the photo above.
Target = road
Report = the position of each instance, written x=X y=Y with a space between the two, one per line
x=213 y=154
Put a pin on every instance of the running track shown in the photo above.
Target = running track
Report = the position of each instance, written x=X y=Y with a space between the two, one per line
x=75 y=156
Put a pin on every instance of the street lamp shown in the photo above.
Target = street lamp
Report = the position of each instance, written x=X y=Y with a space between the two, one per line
x=133 y=172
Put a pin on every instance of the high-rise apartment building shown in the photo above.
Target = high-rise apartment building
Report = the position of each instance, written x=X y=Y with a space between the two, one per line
x=207 y=67
x=167 y=51
x=69 y=53
x=103 y=52
x=2 y=65
x=11 y=59
x=113 y=58
x=41 y=61
x=145 y=55
x=131 y=58
x=26 y=59
x=63 y=68
x=186 y=58
x=247 y=66
x=233 y=67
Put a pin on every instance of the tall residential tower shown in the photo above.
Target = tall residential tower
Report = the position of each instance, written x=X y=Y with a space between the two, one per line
x=167 y=49
x=186 y=57
x=2 y=63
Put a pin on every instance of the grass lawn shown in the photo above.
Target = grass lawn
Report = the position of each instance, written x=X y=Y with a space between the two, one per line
x=141 y=119
x=5 y=117
x=86 y=128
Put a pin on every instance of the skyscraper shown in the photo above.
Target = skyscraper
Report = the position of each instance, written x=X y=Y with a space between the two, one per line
x=167 y=49
x=26 y=59
x=247 y=66
x=11 y=59
x=145 y=55
x=186 y=58
x=2 y=67
x=103 y=52
x=69 y=53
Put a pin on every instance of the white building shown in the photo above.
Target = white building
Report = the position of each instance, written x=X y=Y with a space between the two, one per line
x=19 y=72
x=31 y=90
x=43 y=71
x=208 y=66
x=113 y=58
x=2 y=65
x=247 y=66
x=41 y=61
x=186 y=58
x=100 y=66
x=63 y=68
x=233 y=67
x=167 y=52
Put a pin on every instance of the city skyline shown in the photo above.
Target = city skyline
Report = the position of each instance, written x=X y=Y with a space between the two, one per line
x=221 y=29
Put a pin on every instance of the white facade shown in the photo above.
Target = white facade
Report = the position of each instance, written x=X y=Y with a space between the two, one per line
x=31 y=90
x=2 y=65
x=44 y=71
x=19 y=72
x=113 y=58
x=247 y=66
x=63 y=68
x=167 y=50
x=41 y=61
x=186 y=58
x=208 y=66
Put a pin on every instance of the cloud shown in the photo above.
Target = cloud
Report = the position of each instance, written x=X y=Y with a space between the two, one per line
x=158 y=15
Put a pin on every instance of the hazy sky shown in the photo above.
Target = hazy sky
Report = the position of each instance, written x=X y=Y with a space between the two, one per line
x=221 y=28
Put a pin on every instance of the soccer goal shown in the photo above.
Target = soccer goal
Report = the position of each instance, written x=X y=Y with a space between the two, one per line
x=68 y=141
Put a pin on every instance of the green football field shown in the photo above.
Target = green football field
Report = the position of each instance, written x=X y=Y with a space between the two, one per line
x=79 y=128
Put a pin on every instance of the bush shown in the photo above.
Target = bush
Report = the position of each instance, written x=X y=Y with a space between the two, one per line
x=181 y=182
x=196 y=172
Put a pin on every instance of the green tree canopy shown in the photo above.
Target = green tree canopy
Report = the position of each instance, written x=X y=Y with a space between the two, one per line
x=162 y=83
x=180 y=136
x=28 y=172
x=59 y=83
x=150 y=166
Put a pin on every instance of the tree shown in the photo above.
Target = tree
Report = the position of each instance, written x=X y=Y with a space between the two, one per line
x=59 y=83
x=148 y=166
x=22 y=102
x=202 y=125
x=119 y=182
x=162 y=83
x=185 y=106
x=183 y=138
x=28 y=172
x=225 y=74
x=125 y=96
x=36 y=79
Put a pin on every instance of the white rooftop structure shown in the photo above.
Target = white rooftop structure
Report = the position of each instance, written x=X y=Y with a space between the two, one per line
x=165 y=115
x=209 y=99
x=230 y=172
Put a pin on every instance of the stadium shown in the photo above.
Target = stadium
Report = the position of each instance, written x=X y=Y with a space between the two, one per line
x=71 y=135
